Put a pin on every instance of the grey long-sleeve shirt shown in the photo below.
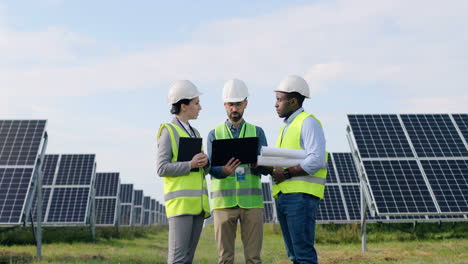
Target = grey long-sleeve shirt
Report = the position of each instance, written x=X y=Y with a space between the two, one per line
x=166 y=167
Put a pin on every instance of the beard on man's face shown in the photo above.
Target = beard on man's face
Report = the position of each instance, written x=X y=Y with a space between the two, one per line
x=235 y=116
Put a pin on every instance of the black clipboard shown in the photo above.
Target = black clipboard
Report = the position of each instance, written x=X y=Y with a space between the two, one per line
x=189 y=147
x=244 y=149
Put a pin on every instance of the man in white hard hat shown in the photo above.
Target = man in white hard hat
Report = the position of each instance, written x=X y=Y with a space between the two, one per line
x=298 y=189
x=236 y=189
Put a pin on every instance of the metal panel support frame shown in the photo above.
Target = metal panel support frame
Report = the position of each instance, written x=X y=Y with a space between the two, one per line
x=37 y=231
x=365 y=196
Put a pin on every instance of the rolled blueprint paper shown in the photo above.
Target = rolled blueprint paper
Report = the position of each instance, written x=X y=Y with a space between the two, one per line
x=278 y=162
x=284 y=153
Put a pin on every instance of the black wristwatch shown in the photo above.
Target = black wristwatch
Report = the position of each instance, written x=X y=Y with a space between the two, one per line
x=286 y=174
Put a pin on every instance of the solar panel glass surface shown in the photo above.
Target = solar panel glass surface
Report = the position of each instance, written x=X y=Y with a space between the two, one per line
x=49 y=167
x=462 y=122
x=125 y=214
x=107 y=183
x=146 y=219
x=138 y=197
x=398 y=187
x=45 y=202
x=449 y=181
x=268 y=215
x=126 y=193
x=75 y=169
x=20 y=141
x=331 y=206
x=345 y=167
x=137 y=215
x=147 y=202
x=266 y=192
x=105 y=211
x=434 y=135
x=14 y=186
x=331 y=174
x=69 y=205
x=379 y=136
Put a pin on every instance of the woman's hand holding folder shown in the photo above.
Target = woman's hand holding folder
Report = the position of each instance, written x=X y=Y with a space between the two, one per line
x=200 y=160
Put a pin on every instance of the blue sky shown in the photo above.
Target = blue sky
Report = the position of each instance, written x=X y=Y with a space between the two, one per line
x=99 y=70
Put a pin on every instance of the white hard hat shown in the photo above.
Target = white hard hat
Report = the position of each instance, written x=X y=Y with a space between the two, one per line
x=182 y=89
x=294 y=83
x=234 y=91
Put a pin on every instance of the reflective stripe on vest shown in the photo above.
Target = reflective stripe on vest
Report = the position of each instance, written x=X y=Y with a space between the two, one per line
x=311 y=184
x=229 y=192
x=185 y=194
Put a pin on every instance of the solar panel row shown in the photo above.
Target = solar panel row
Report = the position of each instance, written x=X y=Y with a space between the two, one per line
x=107 y=198
x=21 y=147
x=68 y=179
x=67 y=190
x=414 y=164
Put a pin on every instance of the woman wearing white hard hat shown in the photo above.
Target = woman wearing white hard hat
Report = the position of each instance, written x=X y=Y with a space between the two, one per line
x=185 y=189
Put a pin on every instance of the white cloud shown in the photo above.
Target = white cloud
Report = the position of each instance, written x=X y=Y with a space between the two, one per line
x=442 y=104
x=42 y=48
x=415 y=50
x=325 y=42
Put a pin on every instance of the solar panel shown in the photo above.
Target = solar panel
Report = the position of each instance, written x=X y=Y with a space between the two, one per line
x=268 y=204
x=331 y=206
x=157 y=213
x=69 y=205
x=147 y=202
x=20 y=141
x=146 y=219
x=146 y=210
x=49 y=167
x=462 y=122
x=268 y=215
x=398 y=187
x=448 y=179
x=76 y=169
x=345 y=167
x=137 y=215
x=107 y=184
x=45 y=200
x=266 y=191
x=126 y=193
x=434 y=135
x=352 y=198
x=138 y=198
x=422 y=166
x=125 y=214
x=379 y=136
x=70 y=178
x=351 y=195
x=138 y=210
x=14 y=186
x=153 y=212
x=106 y=211
x=331 y=174
x=107 y=193
x=126 y=204
x=20 y=148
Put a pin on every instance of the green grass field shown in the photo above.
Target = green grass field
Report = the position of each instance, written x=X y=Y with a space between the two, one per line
x=335 y=244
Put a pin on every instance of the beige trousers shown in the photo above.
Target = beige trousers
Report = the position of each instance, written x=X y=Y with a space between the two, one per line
x=251 y=223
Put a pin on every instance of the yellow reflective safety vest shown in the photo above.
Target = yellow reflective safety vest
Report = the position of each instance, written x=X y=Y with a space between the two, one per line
x=310 y=184
x=185 y=194
x=229 y=192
